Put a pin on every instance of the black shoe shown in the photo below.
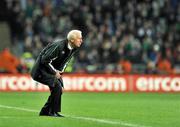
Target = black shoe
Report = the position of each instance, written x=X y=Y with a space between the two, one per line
x=58 y=115
x=47 y=112
x=50 y=114
x=55 y=114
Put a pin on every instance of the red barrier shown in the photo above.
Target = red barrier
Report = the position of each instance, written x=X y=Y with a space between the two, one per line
x=20 y=83
x=154 y=83
x=96 y=83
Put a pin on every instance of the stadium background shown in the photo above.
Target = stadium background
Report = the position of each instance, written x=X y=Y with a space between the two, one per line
x=131 y=48
x=119 y=36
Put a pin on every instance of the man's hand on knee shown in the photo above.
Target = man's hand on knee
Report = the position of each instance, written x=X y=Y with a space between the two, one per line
x=58 y=74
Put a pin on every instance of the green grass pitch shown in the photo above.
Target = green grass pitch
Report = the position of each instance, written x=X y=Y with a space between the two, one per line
x=20 y=109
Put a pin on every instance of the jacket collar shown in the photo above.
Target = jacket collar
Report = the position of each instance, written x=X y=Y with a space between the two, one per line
x=69 y=46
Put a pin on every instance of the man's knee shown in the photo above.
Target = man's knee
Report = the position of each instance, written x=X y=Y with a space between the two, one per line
x=58 y=87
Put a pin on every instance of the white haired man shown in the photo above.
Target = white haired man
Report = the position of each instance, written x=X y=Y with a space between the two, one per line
x=49 y=67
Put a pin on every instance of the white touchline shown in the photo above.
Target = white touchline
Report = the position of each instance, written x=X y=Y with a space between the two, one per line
x=18 y=108
x=77 y=117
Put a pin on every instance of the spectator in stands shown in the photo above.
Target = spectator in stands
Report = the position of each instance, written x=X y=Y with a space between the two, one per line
x=140 y=28
x=10 y=63
x=125 y=65
x=164 y=66
x=151 y=68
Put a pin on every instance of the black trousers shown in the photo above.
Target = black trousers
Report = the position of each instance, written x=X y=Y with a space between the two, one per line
x=53 y=103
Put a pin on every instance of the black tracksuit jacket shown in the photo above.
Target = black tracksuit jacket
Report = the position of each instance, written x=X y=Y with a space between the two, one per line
x=54 y=56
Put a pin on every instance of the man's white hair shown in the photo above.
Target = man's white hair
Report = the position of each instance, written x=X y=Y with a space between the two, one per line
x=73 y=34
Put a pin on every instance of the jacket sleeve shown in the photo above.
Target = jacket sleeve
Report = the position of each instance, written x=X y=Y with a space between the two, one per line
x=50 y=54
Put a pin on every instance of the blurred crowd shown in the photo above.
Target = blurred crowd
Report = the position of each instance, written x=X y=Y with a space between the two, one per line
x=120 y=36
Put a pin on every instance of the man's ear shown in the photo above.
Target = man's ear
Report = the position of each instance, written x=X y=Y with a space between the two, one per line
x=72 y=40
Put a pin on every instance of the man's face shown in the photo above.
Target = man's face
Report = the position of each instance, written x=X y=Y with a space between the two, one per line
x=77 y=41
